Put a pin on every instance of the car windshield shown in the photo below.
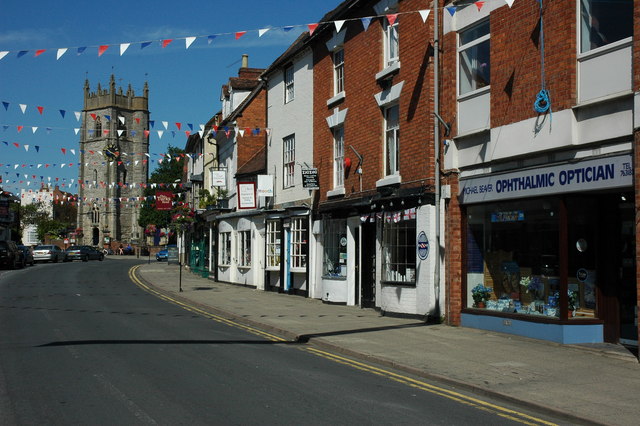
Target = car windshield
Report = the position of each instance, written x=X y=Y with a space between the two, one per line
x=44 y=247
x=74 y=248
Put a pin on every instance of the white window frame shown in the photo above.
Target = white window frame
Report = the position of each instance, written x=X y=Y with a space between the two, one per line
x=273 y=244
x=298 y=231
x=288 y=161
x=244 y=248
x=289 y=91
x=477 y=75
x=338 y=157
x=585 y=34
x=392 y=141
x=391 y=44
x=399 y=251
x=225 y=249
x=338 y=71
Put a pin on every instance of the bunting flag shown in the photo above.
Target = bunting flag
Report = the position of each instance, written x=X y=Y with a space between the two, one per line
x=392 y=18
x=263 y=31
x=124 y=47
x=312 y=28
x=240 y=34
x=39 y=52
x=338 y=25
x=102 y=49
x=424 y=14
x=509 y=3
x=40 y=109
x=189 y=41
x=60 y=52
x=166 y=42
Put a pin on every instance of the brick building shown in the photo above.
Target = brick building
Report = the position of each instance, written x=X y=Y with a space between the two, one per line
x=540 y=96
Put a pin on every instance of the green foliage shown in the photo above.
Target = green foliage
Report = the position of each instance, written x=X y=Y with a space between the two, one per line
x=208 y=199
x=168 y=172
x=53 y=228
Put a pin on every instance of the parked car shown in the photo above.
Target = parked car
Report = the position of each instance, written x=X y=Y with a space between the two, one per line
x=84 y=253
x=49 y=253
x=27 y=256
x=10 y=255
x=164 y=253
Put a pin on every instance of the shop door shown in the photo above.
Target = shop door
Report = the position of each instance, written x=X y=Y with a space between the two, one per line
x=368 y=265
x=627 y=295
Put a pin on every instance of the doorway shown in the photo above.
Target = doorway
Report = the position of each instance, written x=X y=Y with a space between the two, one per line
x=368 y=264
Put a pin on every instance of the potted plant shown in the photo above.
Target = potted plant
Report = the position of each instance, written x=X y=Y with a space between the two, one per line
x=480 y=295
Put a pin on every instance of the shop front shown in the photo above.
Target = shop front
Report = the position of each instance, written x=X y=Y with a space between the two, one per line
x=550 y=252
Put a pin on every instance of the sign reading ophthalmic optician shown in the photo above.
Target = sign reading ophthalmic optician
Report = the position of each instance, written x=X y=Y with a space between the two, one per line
x=601 y=173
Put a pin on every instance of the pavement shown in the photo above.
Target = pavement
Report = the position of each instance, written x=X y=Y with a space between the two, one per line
x=582 y=384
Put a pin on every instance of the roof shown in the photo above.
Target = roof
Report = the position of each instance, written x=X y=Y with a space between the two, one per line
x=256 y=164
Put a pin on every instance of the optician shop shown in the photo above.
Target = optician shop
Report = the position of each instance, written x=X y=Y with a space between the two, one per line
x=550 y=252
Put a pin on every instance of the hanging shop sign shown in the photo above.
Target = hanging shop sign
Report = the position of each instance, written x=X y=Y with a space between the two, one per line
x=265 y=186
x=164 y=200
x=601 y=173
x=310 y=179
x=246 y=195
x=219 y=178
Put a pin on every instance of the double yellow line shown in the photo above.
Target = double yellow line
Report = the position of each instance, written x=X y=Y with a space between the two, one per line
x=445 y=393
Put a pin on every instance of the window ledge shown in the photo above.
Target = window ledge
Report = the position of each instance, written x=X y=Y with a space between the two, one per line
x=388 y=71
x=330 y=277
x=471 y=133
x=244 y=267
x=336 y=192
x=336 y=99
x=273 y=269
x=399 y=283
x=607 y=98
x=298 y=270
x=389 y=180
x=474 y=93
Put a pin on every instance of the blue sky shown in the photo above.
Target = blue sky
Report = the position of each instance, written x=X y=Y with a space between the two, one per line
x=184 y=84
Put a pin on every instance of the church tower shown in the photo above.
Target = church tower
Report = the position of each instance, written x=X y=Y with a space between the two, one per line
x=114 y=167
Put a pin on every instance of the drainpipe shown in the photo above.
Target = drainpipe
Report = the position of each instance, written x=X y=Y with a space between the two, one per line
x=436 y=137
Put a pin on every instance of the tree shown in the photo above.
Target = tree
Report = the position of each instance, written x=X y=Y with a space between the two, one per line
x=166 y=176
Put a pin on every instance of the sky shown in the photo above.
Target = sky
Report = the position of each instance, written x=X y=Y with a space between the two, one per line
x=184 y=83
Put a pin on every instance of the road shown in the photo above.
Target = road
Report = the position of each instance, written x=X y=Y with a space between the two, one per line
x=80 y=343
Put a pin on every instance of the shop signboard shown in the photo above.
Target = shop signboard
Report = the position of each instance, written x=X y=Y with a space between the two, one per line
x=310 y=179
x=588 y=175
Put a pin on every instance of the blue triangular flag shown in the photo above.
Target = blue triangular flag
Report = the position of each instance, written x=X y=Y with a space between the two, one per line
x=452 y=10
x=5 y=127
x=144 y=44
x=81 y=50
x=133 y=133
x=22 y=53
x=108 y=117
x=62 y=113
x=37 y=148
x=287 y=28
x=365 y=23
x=152 y=123
x=190 y=126
x=6 y=106
x=210 y=39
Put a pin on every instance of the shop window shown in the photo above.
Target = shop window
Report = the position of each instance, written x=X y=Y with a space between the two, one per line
x=398 y=249
x=225 y=249
x=335 y=248
x=338 y=71
x=273 y=244
x=338 y=157
x=244 y=249
x=604 y=21
x=298 y=243
x=512 y=258
x=392 y=140
x=288 y=84
x=289 y=160
x=474 y=58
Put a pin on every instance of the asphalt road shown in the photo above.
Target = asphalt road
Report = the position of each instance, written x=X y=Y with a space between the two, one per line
x=81 y=344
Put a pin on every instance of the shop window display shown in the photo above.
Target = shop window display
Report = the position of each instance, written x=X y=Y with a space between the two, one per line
x=513 y=261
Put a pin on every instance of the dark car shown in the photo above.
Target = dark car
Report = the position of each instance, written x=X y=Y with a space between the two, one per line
x=84 y=253
x=10 y=255
x=27 y=256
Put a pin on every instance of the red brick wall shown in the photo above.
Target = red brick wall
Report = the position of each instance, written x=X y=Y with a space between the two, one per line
x=254 y=115
x=364 y=123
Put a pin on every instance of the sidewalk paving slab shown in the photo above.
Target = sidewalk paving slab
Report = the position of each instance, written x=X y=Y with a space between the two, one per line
x=597 y=384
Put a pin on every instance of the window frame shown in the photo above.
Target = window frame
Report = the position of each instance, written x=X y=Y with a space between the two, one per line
x=224 y=258
x=583 y=26
x=288 y=161
x=338 y=157
x=244 y=248
x=389 y=168
x=298 y=249
x=333 y=232
x=391 y=43
x=289 y=88
x=475 y=43
x=338 y=71
x=273 y=241
x=393 y=250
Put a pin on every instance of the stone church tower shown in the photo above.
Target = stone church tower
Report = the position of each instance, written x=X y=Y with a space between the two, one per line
x=114 y=166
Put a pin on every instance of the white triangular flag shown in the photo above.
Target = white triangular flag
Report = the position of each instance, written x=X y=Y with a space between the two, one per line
x=160 y=133
x=33 y=129
x=73 y=151
x=121 y=118
x=4 y=53
x=26 y=147
x=23 y=107
x=61 y=52
x=165 y=124
x=76 y=130
x=338 y=25
x=509 y=2
x=262 y=31
x=424 y=14
x=77 y=115
x=241 y=133
x=120 y=132
x=124 y=47
x=200 y=133
x=188 y=41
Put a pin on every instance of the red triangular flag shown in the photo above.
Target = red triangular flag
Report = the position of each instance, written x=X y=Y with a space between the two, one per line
x=312 y=28
x=392 y=18
x=40 y=109
x=166 y=42
x=146 y=133
x=187 y=133
x=479 y=5
x=64 y=150
x=240 y=34
x=102 y=49
x=178 y=125
x=16 y=144
x=93 y=116
x=138 y=120
x=40 y=52
x=105 y=131
x=20 y=128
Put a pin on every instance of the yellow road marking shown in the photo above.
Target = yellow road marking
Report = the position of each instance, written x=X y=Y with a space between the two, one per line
x=446 y=393
x=139 y=283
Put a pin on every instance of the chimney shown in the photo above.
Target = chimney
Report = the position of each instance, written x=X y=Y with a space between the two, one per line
x=245 y=61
